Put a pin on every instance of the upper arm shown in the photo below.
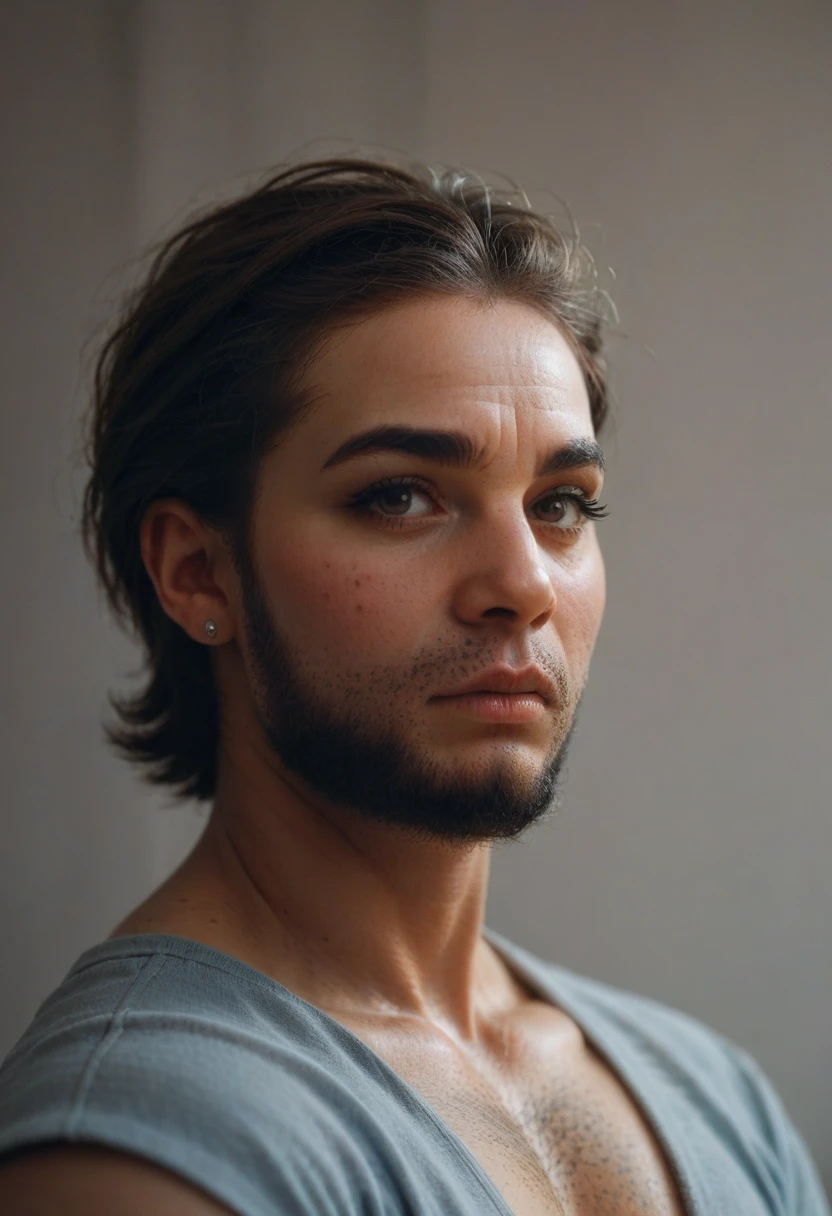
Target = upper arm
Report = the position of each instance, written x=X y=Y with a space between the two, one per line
x=89 y=1180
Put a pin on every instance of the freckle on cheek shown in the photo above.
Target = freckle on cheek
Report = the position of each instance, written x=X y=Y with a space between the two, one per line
x=359 y=607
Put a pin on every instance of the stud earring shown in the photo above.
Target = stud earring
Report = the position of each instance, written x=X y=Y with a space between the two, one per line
x=211 y=629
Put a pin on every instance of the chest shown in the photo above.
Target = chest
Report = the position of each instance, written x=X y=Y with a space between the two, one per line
x=549 y=1122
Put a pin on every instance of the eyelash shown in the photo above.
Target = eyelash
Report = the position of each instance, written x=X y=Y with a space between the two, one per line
x=362 y=503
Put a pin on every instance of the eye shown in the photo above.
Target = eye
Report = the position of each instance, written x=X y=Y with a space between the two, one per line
x=395 y=501
x=395 y=498
x=570 y=507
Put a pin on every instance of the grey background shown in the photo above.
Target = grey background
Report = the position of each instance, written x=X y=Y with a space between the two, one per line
x=690 y=860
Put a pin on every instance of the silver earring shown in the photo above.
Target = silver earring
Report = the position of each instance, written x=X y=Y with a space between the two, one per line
x=211 y=629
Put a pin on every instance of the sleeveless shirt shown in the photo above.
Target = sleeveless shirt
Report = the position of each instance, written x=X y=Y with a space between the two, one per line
x=178 y=1053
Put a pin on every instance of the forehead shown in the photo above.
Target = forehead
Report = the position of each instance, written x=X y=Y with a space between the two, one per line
x=443 y=361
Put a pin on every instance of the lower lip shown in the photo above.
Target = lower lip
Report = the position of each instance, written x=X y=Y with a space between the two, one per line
x=497 y=706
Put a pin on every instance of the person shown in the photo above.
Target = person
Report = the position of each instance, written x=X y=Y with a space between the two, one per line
x=345 y=484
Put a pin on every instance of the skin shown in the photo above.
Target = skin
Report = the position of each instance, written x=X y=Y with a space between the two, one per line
x=350 y=911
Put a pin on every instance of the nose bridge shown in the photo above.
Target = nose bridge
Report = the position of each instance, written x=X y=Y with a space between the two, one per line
x=508 y=536
x=506 y=569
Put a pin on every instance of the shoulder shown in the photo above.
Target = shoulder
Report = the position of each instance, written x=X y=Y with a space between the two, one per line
x=207 y=1073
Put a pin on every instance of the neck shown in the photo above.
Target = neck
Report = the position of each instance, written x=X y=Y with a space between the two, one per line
x=355 y=916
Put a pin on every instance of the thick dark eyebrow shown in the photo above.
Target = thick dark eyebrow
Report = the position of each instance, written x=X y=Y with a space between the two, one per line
x=456 y=450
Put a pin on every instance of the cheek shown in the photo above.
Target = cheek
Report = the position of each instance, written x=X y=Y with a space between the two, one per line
x=344 y=602
x=581 y=600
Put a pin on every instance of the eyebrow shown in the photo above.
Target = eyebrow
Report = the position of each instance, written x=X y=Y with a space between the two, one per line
x=456 y=449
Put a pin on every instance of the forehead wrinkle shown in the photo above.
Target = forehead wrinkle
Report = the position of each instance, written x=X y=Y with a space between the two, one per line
x=404 y=390
x=416 y=408
x=422 y=394
x=459 y=381
x=503 y=410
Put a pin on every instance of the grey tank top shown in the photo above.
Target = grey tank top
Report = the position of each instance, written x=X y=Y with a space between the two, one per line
x=171 y=1050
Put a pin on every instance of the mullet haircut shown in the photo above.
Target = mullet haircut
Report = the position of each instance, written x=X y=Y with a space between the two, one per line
x=202 y=372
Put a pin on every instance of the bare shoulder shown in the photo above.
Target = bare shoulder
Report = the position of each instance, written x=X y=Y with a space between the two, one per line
x=89 y=1180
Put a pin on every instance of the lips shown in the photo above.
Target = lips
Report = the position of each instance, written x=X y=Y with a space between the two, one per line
x=506 y=680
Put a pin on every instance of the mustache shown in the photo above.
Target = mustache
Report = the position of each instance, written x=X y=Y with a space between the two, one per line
x=440 y=666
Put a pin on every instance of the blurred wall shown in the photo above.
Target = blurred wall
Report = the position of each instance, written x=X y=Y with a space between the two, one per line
x=692 y=142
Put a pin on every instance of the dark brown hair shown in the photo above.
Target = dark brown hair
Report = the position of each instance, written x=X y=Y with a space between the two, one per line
x=201 y=375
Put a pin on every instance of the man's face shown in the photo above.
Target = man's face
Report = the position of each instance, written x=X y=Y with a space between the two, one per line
x=380 y=580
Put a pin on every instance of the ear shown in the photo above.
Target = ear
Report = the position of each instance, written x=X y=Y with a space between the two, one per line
x=190 y=569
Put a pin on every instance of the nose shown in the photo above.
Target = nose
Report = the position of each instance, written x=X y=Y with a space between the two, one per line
x=506 y=577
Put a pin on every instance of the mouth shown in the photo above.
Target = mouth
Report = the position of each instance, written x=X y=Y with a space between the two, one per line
x=486 y=705
x=506 y=681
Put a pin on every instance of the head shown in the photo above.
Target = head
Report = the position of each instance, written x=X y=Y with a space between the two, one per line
x=352 y=417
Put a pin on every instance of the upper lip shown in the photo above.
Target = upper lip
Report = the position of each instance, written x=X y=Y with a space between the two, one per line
x=506 y=680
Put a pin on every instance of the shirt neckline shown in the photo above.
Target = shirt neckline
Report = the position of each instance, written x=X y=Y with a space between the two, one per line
x=540 y=977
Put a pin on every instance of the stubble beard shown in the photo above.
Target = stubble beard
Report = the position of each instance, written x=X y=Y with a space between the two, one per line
x=350 y=759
